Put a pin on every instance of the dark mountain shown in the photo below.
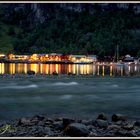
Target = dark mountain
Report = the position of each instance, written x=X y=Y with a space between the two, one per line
x=70 y=28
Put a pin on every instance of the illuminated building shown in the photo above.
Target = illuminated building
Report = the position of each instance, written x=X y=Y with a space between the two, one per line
x=53 y=57
x=82 y=59
x=10 y=56
x=2 y=55
x=21 y=57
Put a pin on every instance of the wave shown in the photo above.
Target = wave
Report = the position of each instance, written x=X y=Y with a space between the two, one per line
x=20 y=87
x=65 y=97
x=115 y=86
x=135 y=86
x=65 y=84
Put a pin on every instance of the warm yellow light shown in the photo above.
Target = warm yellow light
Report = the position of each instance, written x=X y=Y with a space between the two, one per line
x=56 y=68
x=69 y=68
x=12 y=68
x=51 y=68
x=73 y=59
x=47 y=69
x=110 y=70
x=33 y=67
x=2 y=69
x=41 y=68
x=10 y=56
x=103 y=71
x=81 y=69
x=87 y=68
x=25 y=68
x=2 y=55
x=34 y=57
x=19 y=67
x=84 y=69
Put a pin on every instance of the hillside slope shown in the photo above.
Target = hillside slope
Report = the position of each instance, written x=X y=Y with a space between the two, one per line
x=70 y=28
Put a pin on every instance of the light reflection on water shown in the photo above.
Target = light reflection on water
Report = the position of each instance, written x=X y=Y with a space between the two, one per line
x=78 y=69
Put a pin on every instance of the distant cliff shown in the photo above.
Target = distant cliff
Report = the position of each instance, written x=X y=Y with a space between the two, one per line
x=38 y=12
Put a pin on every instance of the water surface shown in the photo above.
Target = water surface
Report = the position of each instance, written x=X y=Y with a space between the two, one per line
x=69 y=96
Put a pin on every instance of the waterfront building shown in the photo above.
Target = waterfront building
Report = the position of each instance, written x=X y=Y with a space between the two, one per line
x=54 y=57
x=20 y=57
x=92 y=58
x=10 y=56
x=42 y=57
x=83 y=58
x=77 y=58
x=2 y=55
x=34 y=57
x=128 y=58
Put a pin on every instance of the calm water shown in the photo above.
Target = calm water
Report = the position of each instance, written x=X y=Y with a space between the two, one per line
x=70 y=95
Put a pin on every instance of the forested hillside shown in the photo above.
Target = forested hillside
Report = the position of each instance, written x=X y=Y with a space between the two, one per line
x=69 y=29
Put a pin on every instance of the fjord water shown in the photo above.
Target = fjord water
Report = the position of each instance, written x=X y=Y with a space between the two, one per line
x=75 y=96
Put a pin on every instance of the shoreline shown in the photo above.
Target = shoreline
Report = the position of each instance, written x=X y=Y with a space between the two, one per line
x=98 y=63
x=25 y=75
x=115 y=125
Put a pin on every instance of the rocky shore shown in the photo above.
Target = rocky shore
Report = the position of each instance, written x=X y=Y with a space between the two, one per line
x=116 y=125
